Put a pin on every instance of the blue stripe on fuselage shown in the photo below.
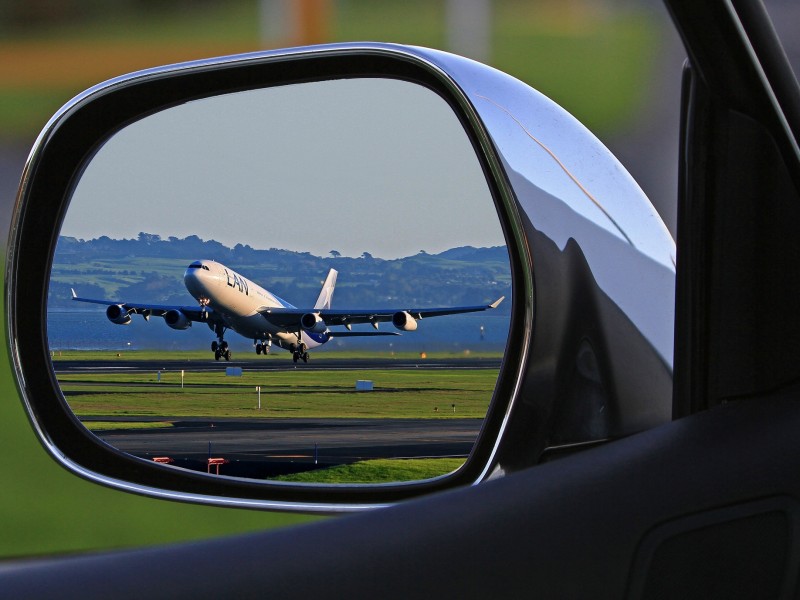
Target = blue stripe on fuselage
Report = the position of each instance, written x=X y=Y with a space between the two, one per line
x=319 y=338
x=283 y=302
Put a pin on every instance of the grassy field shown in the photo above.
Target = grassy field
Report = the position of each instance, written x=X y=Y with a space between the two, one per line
x=126 y=425
x=379 y=471
x=417 y=393
x=591 y=59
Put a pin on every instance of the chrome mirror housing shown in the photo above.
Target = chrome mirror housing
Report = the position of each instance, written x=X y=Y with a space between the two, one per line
x=590 y=344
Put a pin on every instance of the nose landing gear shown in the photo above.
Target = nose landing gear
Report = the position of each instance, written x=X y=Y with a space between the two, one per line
x=220 y=347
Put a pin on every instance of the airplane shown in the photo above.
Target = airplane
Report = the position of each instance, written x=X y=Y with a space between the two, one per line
x=228 y=300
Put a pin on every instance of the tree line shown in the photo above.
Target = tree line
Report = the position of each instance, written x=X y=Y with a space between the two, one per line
x=150 y=269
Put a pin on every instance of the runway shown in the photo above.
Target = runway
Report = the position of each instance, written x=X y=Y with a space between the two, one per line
x=266 y=447
x=280 y=363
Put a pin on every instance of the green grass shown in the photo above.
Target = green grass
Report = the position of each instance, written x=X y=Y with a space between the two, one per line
x=593 y=62
x=379 y=471
x=25 y=111
x=125 y=425
x=398 y=394
x=161 y=23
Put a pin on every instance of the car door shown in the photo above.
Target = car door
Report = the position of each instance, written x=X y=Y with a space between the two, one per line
x=704 y=506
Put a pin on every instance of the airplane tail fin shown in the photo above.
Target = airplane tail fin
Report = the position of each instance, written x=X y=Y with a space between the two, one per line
x=326 y=294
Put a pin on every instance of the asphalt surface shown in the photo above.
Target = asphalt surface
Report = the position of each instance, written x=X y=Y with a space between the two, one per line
x=267 y=447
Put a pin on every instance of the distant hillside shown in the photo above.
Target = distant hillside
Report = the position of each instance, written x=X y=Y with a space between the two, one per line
x=151 y=269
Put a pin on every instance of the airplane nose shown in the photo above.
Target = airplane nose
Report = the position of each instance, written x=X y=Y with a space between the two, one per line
x=193 y=279
x=203 y=279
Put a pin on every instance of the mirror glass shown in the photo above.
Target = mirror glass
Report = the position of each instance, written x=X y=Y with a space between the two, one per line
x=299 y=283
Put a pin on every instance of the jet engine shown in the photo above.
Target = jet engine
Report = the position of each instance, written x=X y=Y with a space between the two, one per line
x=117 y=314
x=313 y=323
x=177 y=320
x=404 y=321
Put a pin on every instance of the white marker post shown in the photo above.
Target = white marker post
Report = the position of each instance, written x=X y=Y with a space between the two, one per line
x=258 y=389
x=181 y=378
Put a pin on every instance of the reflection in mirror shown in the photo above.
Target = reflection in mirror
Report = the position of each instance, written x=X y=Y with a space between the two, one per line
x=301 y=283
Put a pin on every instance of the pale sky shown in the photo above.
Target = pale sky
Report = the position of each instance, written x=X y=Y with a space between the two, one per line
x=372 y=165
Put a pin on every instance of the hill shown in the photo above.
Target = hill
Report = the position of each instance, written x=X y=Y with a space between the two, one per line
x=150 y=269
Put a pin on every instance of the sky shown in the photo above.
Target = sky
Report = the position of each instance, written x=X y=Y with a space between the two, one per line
x=358 y=165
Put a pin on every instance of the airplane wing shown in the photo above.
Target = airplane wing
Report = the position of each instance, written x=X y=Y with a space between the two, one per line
x=290 y=317
x=192 y=313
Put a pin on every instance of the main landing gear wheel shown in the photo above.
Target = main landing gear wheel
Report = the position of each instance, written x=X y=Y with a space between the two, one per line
x=221 y=350
x=220 y=353
x=300 y=352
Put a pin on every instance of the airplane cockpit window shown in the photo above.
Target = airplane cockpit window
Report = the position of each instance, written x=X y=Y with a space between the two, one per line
x=387 y=358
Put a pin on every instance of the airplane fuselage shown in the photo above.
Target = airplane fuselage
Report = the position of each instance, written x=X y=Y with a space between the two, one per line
x=240 y=303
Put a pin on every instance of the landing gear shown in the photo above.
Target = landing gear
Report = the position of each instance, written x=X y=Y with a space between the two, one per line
x=220 y=347
x=221 y=351
x=263 y=347
x=299 y=353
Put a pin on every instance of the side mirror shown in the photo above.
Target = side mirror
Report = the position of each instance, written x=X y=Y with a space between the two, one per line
x=413 y=146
